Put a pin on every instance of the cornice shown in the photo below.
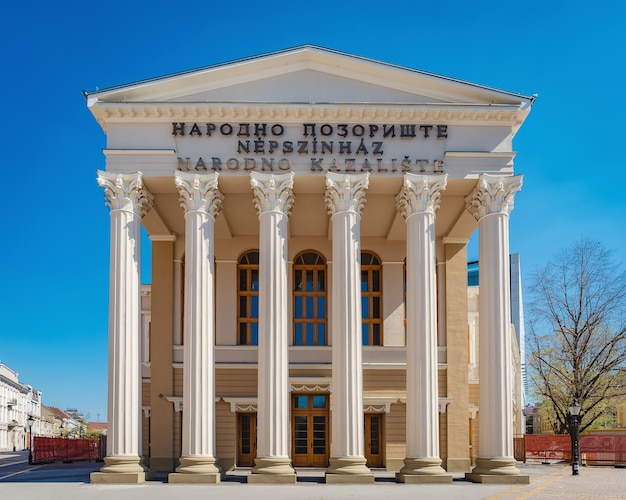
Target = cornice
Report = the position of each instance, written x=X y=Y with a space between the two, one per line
x=454 y=113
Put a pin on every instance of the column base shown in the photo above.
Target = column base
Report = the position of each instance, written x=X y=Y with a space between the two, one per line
x=423 y=470
x=272 y=470
x=497 y=471
x=121 y=470
x=348 y=470
x=196 y=470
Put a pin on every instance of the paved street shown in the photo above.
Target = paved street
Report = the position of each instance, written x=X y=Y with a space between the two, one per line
x=71 y=482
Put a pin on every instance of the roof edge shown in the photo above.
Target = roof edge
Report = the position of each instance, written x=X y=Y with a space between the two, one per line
x=87 y=94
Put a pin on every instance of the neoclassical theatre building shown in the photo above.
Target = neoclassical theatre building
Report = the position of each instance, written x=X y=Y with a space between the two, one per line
x=309 y=213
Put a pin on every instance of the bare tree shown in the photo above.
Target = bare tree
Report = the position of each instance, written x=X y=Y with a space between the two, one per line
x=578 y=333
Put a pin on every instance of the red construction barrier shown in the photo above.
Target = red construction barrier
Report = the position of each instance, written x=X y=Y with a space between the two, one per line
x=594 y=448
x=47 y=449
x=548 y=446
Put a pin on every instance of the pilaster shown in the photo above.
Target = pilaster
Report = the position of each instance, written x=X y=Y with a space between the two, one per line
x=273 y=199
x=202 y=202
x=161 y=340
x=491 y=203
x=345 y=198
x=417 y=202
x=454 y=277
x=129 y=202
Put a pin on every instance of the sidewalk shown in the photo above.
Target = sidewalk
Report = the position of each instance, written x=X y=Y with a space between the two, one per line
x=70 y=482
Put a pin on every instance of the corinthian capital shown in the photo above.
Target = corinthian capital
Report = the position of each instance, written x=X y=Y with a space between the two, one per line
x=199 y=192
x=492 y=195
x=420 y=193
x=272 y=193
x=125 y=192
x=345 y=193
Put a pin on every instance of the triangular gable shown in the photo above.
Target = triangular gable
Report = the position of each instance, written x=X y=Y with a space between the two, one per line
x=307 y=75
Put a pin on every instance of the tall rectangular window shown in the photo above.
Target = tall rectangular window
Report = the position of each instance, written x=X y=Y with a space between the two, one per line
x=248 y=299
x=309 y=299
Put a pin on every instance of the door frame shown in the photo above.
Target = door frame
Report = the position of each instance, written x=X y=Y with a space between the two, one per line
x=311 y=413
x=248 y=461
x=374 y=460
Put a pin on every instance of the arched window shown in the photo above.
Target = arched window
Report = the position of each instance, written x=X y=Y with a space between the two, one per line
x=371 y=298
x=309 y=299
x=248 y=294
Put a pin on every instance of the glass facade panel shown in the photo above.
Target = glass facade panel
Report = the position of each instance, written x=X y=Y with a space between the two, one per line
x=319 y=401
x=245 y=434
x=298 y=334
x=254 y=333
x=297 y=280
x=376 y=281
x=243 y=332
x=254 y=299
x=321 y=280
x=255 y=279
x=376 y=337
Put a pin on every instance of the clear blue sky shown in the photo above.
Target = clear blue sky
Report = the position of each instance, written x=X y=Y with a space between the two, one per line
x=55 y=250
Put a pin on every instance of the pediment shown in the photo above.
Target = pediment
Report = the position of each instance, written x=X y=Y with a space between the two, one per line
x=307 y=75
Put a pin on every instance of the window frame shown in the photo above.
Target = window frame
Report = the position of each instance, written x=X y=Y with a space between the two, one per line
x=311 y=297
x=372 y=264
x=249 y=319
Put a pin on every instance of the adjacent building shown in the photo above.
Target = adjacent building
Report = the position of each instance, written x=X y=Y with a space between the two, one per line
x=18 y=402
x=309 y=213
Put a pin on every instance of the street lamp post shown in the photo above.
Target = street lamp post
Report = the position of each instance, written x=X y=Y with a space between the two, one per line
x=574 y=411
x=30 y=421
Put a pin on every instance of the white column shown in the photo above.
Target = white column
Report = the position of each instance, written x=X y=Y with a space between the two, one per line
x=202 y=201
x=345 y=198
x=273 y=198
x=417 y=202
x=129 y=202
x=490 y=203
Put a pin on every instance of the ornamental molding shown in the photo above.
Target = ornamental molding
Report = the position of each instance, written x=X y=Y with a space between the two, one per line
x=493 y=194
x=310 y=388
x=443 y=404
x=473 y=411
x=345 y=192
x=242 y=404
x=272 y=192
x=125 y=192
x=457 y=113
x=376 y=409
x=420 y=194
x=177 y=401
x=199 y=192
x=378 y=405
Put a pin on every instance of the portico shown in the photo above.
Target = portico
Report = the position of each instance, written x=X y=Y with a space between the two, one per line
x=315 y=206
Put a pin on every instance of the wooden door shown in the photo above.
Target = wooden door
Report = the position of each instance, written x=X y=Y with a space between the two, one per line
x=246 y=444
x=310 y=430
x=373 y=439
